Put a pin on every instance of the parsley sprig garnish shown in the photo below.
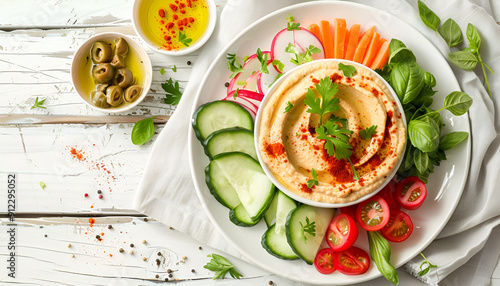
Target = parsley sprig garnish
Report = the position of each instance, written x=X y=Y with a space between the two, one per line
x=290 y=25
x=326 y=103
x=221 y=266
x=368 y=132
x=428 y=268
x=174 y=94
x=39 y=104
x=314 y=180
x=337 y=139
x=263 y=61
x=233 y=64
x=184 y=40
x=348 y=70
x=288 y=107
x=301 y=58
x=309 y=227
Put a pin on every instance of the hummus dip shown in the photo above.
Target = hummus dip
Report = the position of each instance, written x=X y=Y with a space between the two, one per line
x=289 y=146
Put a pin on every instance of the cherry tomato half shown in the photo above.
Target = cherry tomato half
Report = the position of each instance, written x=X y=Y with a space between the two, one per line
x=350 y=210
x=411 y=193
x=352 y=261
x=399 y=227
x=373 y=213
x=388 y=193
x=342 y=232
x=324 y=261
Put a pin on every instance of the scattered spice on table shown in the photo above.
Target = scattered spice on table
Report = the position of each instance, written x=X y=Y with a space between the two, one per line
x=166 y=279
x=193 y=271
x=143 y=241
x=131 y=252
x=131 y=245
x=100 y=196
x=86 y=195
x=69 y=245
x=169 y=270
x=110 y=226
x=99 y=191
x=159 y=254
x=91 y=222
x=157 y=276
x=170 y=275
x=143 y=258
x=271 y=282
x=146 y=219
x=200 y=248
x=121 y=250
x=45 y=235
x=188 y=63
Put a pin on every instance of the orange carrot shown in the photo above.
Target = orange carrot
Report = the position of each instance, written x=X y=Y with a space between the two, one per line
x=372 y=49
x=339 y=38
x=327 y=39
x=382 y=56
x=313 y=28
x=363 y=45
x=346 y=42
x=352 y=43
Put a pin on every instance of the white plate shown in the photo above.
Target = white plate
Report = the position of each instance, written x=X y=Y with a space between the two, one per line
x=445 y=184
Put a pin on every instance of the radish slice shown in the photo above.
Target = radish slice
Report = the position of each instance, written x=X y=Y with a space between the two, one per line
x=250 y=75
x=266 y=80
x=302 y=39
x=246 y=98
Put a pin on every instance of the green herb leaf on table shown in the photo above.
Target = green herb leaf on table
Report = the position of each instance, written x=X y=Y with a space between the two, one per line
x=314 y=180
x=221 y=266
x=452 y=139
x=184 y=40
x=143 y=131
x=464 y=59
x=368 y=132
x=233 y=65
x=39 y=104
x=380 y=251
x=174 y=69
x=424 y=135
x=407 y=79
x=348 y=70
x=162 y=71
x=288 y=107
x=42 y=185
x=172 y=89
x=424 y=271
x=473 y=37
x=309 y=227
x=263 y=61
x=428 y=16
x=457 y=102
x=451 y=33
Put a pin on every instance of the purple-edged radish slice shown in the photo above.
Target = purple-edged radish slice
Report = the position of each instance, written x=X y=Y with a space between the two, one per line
x=302 y=39
x=246 y=98
x=250 y=76
x=266 y=80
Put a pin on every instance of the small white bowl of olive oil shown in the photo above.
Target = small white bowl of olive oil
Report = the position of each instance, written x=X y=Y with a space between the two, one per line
x=174 y=27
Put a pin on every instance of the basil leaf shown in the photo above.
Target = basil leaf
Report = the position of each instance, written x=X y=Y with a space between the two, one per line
x=400 y=55
x=380 y=251
x=143 y=131
x=421 y=161
x=394 y=45
x=464 y=59
x=452 y=139
x=469 y=49
x=408 y=159
x=429 y=112
x=473 y=37
x=428 y=17
x=423 y=134
x=348 y=70
x=457 y=102
x=429 y=79
x=407 y=79
x=451 y=33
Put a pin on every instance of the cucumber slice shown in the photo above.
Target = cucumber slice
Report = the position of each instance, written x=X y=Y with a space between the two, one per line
x=217 y=115
x=239 y=216
x=229 y=140
x=246 y=176
x=285 y=206
x=276 y=244
x=220 y=187
x=270 y=214
x=307 y=248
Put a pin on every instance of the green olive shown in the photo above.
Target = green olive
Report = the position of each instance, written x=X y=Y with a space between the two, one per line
x=121 y=47
x=103 y=72
x=118 y=61
x=102 y=87
x=132 y=93
x=101 y=52
x=123 y=78
x=99 y=99
x=114 y=95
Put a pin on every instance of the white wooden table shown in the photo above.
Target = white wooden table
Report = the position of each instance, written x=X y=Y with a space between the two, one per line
x=57 y=226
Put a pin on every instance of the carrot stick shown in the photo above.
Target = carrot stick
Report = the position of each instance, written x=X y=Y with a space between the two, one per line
x=363 y=45
x=346 y=42
x=314 y=28
x=382 y=56
x=339 y=38
x=372 y=49
x=352 y=44
x=327 y=39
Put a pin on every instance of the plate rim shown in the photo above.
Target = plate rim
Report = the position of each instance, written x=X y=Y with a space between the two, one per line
x=192 y=139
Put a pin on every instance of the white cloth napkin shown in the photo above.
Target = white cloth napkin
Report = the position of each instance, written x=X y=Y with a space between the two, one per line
x=167 y=193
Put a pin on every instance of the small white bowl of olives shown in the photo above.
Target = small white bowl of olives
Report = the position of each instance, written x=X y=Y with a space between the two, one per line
x=111 y=72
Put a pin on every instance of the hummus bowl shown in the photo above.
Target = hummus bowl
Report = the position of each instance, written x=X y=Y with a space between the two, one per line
x=289 y=150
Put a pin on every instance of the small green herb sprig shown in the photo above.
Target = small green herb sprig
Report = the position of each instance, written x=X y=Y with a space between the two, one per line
x=288 y=107
x=314 y=181
x=221 y=266
x=368 y=132
x=309 y=228
x=184 y=40
x=424 y=271
x=348 y=70
x=233 y=65
x=39 y=104
x=173 y=94
x=301 y=58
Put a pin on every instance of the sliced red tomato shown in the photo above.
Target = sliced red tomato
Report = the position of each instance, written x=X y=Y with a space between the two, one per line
x=388 y=193
x=352 y=261
x=373 y=213
x=324 y=261
x=399 y=227
x=350 y=210
x=411 y=193
x=342 y=232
